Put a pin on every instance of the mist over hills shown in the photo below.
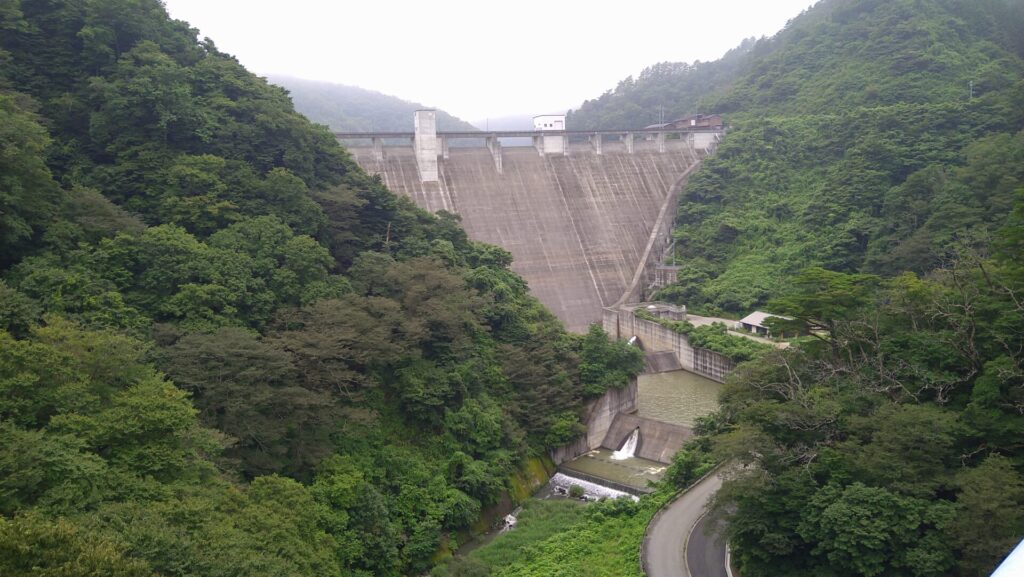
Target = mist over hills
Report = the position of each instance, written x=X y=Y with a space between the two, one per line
x=350 y=108
x=511 y=122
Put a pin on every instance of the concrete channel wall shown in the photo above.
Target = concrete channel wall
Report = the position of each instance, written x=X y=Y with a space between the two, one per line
x=578 y=225
x=661 y=362
x=601 y=413
x=623 y=324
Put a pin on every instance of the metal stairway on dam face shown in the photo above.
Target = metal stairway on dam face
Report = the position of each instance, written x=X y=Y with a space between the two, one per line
x=578 y=225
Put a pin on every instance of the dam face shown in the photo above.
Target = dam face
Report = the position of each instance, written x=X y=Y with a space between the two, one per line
x=578 y=225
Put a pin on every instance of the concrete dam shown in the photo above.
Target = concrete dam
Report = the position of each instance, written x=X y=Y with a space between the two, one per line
x=583 y=214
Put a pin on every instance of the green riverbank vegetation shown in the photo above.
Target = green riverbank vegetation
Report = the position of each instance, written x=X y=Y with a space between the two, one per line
x=566 y=538
x=597 y=539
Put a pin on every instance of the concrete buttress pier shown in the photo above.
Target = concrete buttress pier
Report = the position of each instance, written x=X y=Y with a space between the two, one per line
x=425 y=144
x=579 y=222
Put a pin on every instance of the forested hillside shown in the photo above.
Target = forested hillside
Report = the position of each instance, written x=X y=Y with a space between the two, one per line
x=855 y=143
x=224 y=349
x=350 y=108
x=663 y=92
x=864 y=191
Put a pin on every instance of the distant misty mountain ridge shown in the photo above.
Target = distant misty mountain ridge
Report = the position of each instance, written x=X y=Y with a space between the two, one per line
x=350 y=108
x=353 y=109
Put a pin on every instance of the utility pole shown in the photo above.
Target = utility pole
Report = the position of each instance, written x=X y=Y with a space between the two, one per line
x=971 y=85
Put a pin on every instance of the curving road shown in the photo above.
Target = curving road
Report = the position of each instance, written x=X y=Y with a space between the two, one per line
x=671 y=537
x=705 y=556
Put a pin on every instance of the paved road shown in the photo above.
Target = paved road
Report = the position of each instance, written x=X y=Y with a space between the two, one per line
x=663 y=550
x=705 y=555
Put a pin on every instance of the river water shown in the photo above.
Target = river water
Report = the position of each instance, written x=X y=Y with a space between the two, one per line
x=677 y=397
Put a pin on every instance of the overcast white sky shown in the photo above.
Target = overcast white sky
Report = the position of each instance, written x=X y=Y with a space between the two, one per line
x=479 y=59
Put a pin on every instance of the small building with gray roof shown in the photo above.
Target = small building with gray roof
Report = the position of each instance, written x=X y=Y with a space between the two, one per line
x=754 y=322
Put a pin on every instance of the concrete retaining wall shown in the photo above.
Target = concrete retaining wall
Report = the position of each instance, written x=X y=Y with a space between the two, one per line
x=623 y=324
x=601 y=413
x=570 y=451
x=658 y=441
x=706 y=141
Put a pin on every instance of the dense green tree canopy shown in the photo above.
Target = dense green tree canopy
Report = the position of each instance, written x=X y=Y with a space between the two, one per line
x=226 y=350
x=873 y=449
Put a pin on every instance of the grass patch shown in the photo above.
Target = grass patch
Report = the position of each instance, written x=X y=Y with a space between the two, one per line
x=539 y=520
x=565 y=538
x=606 y=543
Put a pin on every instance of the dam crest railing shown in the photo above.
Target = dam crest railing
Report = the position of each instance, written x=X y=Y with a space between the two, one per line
x=430 y=144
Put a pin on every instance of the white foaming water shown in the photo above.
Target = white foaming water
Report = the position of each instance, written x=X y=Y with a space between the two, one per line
x=628 y=450
x=591 y=491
